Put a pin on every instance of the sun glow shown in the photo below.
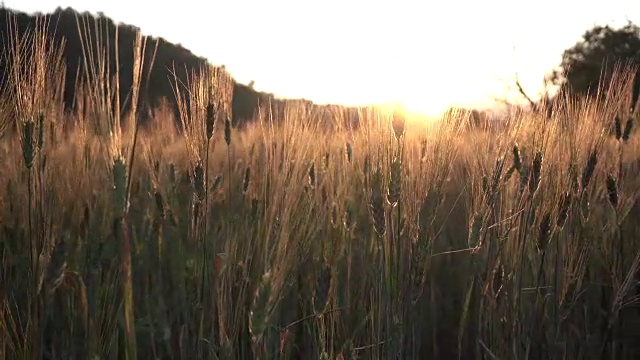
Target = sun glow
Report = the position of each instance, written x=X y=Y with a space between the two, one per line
x=417 y=98
x=426 y=106
x=412 y=118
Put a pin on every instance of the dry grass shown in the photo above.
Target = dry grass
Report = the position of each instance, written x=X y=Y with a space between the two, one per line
x=291 y=240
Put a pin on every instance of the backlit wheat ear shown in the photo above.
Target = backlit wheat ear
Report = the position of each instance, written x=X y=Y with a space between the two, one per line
x=348 y=220
x=544 y=232
x=210 y=118
x=627 y=129
x=334 y=215
x=253 y=214
x=86 y=217
x=366 y=169
x=198 y=181
x=476 y=230
x=517 y=160
x=312 y=176
x=376 y=204
x=246 y=180
x=325 y=163
x=521 y=166
x=321 y=291
x=259 y=314
x=587 y=173
x=172 y=175
x=495 y=287
x=28 y=143
x=618 y=127
x=612 y=190
x=227 y=131
x=536 y=169
x=574 y=181
x=496 y=177
x=563 y=209
x=395 y=183
x=486 y=188
x=156 y=169
x=217 y=182
x=160 y=204
x=57 y=268
x=119 y=171
x=349 y=152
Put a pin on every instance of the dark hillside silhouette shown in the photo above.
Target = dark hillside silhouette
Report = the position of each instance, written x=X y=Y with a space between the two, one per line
x=63 y=24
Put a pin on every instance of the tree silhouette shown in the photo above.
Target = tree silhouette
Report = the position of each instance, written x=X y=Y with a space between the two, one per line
x=595 y=57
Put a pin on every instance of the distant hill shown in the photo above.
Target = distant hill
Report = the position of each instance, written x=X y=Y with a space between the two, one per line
x=63 y=24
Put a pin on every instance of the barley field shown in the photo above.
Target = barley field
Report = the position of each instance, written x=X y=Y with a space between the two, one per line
x=292 y=238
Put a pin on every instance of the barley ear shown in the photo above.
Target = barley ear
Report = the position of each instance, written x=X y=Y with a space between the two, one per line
x=321 y=291
x=172 y=174
x=119 y=186
x=587 y=173
x=28 y=143
x=348 y=219
x=544 y=232
x=198 y=181
x=334 y=215
x=324 y=195
x=312 y=176
x=376 y=204
x=395 y=184
x=246 y=180
x=210 y=117
x=627 y=129
x=475 y=231
x=156 y=168
x=563 y=209
x=325 y=164
x=497 y=177
x=227 y=131
x=517 y=159
x=160 y=204
x=349 y=152
x=217 y=182
x=258 y=316
x=536 y=169
x=57 y=267
x=486 y=189
x=612 y=190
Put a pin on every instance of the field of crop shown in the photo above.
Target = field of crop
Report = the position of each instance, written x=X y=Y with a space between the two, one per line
x=290 y=239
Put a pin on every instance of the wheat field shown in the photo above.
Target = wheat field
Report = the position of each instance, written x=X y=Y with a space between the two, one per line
x=297 y=239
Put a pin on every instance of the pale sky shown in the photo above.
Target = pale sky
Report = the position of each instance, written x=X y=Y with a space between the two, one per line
x=427 y=55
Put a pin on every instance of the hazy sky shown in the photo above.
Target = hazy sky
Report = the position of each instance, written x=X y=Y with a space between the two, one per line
x=428 y=55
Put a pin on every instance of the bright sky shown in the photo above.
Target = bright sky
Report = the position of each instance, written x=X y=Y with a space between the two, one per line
x=428 y=56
